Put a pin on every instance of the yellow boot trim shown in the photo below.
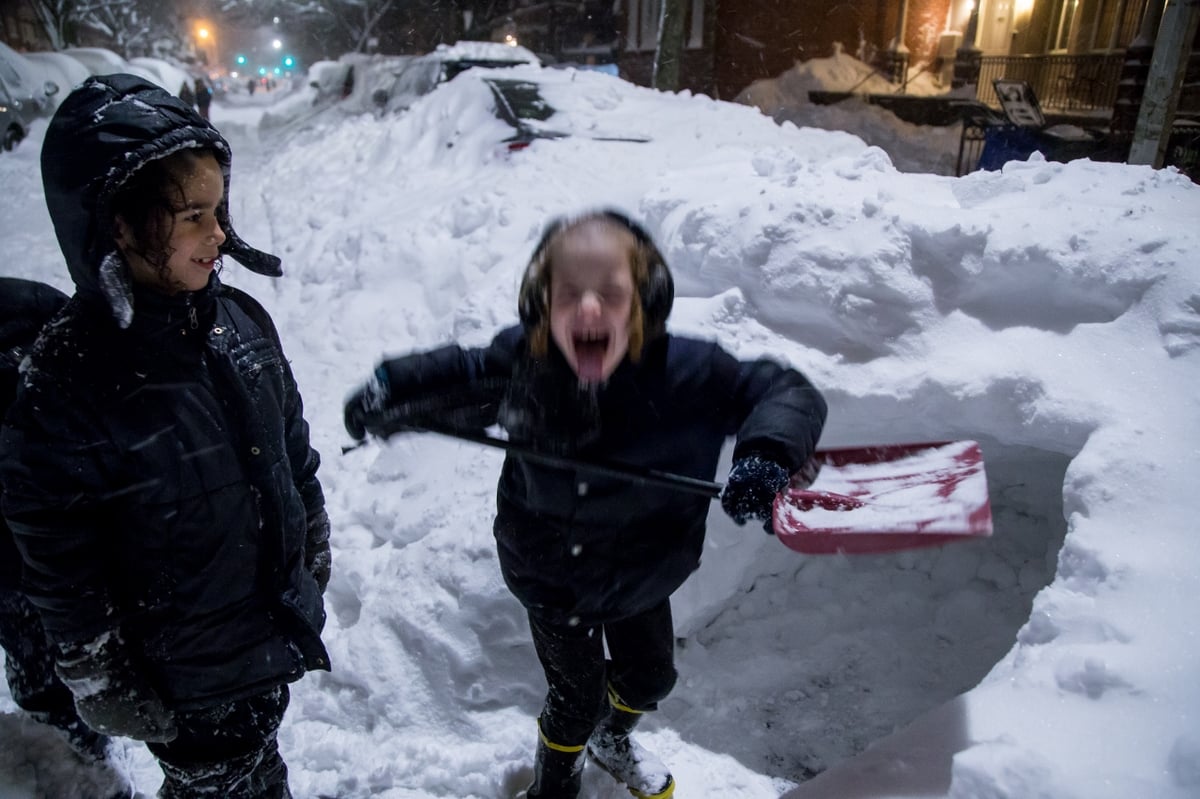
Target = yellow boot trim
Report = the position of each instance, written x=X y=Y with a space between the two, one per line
x=614 y=699
x=665 y=793
x=557 y=747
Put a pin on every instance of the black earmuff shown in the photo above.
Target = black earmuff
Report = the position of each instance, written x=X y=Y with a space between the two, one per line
x=531 y=297
x=657 y=294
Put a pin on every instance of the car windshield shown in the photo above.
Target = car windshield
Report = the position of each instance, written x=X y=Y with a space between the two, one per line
x=518 y=100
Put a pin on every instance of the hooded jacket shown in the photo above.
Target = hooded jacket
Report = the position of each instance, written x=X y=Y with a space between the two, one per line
x=156 y=462
x=577 y=547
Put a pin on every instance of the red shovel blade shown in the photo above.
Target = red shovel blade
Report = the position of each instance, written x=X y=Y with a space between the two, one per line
x=883 y=499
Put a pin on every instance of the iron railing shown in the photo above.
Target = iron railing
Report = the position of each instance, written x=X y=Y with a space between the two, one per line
x=1082 y=83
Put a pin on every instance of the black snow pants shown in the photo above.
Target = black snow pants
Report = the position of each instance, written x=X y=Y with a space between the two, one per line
x=228 y=751
x=32 y=681
x=639 y=670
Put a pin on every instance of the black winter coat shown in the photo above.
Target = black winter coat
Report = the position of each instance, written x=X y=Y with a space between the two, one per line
x=25 y=305
x=581 y=548
x=156 y=462
x=158 y=479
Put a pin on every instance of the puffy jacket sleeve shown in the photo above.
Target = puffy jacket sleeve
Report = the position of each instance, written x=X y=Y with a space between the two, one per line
x=453 y=385
x=58 y=491
x=779 y=414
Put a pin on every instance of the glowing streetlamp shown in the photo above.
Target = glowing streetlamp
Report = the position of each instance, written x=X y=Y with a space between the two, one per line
x=206 y=41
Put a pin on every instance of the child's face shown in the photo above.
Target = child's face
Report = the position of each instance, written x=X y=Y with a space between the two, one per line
x=193 y=247
x=591 y=296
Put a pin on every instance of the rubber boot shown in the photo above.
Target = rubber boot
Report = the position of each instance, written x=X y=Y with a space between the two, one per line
x=612 y=748
x=557 y=770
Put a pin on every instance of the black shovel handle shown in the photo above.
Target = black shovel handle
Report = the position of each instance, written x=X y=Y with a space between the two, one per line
x=636 y=474
x=625 y=471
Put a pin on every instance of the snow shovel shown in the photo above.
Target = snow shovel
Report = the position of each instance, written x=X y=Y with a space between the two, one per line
x=863 y=500
x=885 y=498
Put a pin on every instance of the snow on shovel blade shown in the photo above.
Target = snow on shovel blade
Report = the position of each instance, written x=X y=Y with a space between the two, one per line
x=881 y=499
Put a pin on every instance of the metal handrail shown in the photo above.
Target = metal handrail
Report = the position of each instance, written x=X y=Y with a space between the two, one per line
x=1062 y=82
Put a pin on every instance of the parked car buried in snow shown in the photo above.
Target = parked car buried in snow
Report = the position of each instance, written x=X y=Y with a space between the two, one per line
x=24 y=95
x=16 y=113
x=519 y=102
x=420 y=75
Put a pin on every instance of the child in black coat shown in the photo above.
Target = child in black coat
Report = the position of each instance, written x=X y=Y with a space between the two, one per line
x=591 y=374
x=25 y=306
x=156 y=463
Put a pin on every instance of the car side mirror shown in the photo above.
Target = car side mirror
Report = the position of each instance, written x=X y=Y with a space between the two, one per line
x=50 y=88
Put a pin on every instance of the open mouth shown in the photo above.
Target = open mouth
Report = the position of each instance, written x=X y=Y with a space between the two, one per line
x=590 y=348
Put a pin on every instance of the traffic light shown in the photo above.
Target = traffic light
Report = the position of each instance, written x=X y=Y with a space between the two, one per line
x=241 y=59
x=289 y=62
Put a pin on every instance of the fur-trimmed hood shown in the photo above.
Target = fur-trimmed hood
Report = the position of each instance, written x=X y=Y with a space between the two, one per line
x=104 y=131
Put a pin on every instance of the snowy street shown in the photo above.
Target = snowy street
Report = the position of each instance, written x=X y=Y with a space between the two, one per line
x=1049 y=311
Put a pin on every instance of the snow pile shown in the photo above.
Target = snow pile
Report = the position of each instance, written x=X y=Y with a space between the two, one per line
x=1050 y=311
x=912 y=148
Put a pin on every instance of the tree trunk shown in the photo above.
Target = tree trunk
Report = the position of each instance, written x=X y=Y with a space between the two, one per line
x=668 y=55
x=53 y=19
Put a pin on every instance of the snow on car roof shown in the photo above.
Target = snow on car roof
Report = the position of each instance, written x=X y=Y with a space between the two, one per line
x=486 y=51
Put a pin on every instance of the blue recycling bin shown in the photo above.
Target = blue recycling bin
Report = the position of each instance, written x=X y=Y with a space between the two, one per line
x=1004 y=143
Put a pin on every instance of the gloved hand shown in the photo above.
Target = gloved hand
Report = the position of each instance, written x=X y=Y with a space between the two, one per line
x=364 y=406
x=317 y=557
x=751 y=488
x=110 y=695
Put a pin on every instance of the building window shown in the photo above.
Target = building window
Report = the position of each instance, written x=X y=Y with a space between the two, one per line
x=1117 y=23
x=642 y=24
x=1062 y=19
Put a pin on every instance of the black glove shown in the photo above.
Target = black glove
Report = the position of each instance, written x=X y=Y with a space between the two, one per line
x=110 y=695
x=364 y=406
x=317 y=557
x=751 y=488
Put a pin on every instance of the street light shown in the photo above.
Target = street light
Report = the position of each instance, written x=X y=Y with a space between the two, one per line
x=206 y=41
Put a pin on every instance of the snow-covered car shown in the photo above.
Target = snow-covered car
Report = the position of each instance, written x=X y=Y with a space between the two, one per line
x=420 y=75
x=13 y=125
x=553 y=104
x=358 y=83
x=25 y=94
x=100 y=61
x=167 y=75
x=60 y=69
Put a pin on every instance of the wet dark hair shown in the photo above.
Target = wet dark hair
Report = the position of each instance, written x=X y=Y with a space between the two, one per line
x=149 y=200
